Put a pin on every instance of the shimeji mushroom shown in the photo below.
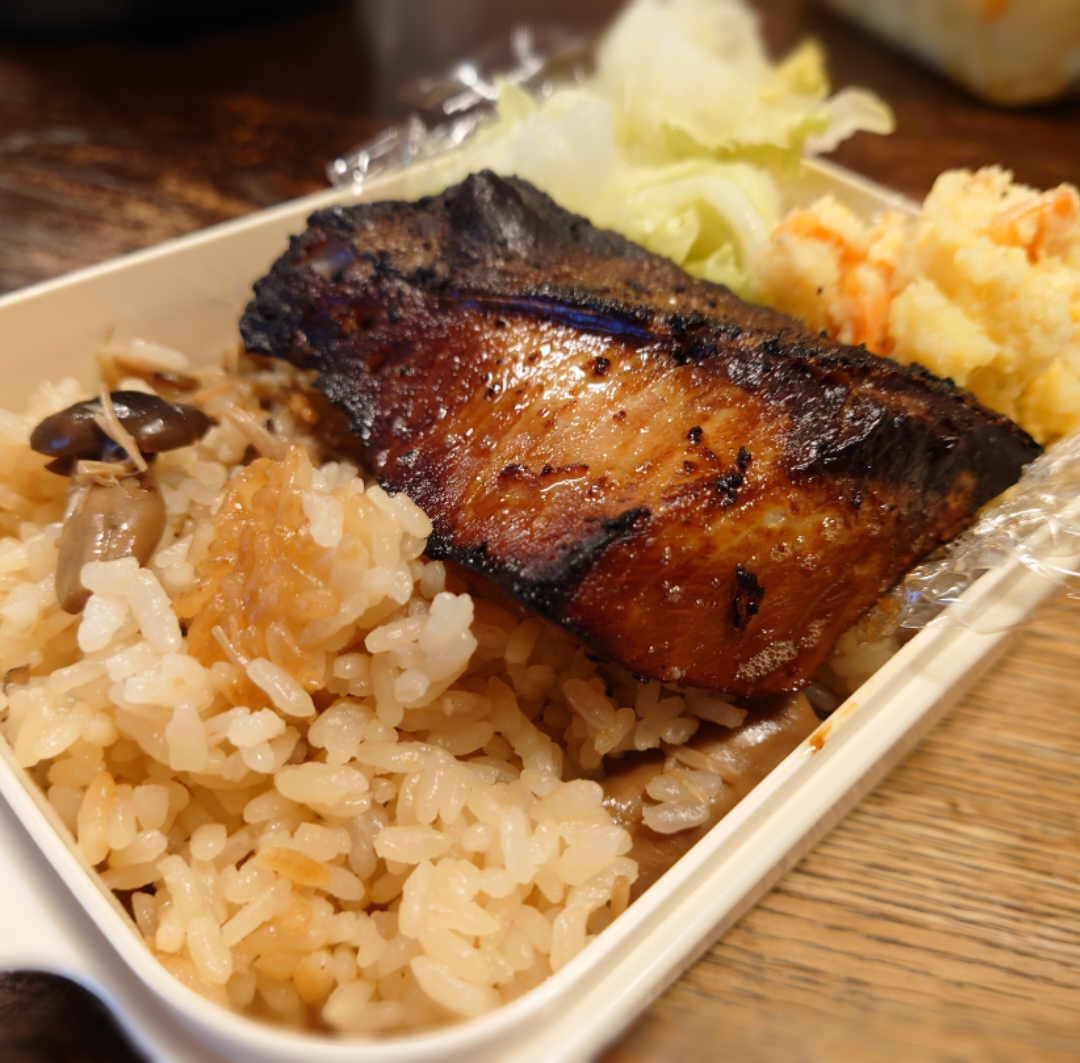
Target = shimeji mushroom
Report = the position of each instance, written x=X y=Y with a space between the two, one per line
x=115 y=508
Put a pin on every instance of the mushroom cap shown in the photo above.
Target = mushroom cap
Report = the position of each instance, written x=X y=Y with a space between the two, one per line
x=154 y=424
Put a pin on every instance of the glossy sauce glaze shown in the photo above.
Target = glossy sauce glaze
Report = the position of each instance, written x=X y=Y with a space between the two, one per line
x=703 y=491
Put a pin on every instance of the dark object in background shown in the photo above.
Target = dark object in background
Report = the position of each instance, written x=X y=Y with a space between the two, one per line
x=152 y=17
x=48 y=1019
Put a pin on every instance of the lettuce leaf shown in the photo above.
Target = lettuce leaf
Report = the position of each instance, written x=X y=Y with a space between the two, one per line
x=680 y=139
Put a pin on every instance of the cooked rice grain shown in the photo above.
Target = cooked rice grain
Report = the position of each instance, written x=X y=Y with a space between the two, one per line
x=327 y=781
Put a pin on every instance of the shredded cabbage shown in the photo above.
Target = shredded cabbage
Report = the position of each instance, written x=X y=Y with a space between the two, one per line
x=680 y=138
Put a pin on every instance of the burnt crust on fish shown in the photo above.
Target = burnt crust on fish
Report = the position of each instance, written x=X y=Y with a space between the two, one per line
x=705 y=491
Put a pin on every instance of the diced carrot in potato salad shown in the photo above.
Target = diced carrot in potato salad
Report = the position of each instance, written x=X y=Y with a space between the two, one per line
x=983 y=287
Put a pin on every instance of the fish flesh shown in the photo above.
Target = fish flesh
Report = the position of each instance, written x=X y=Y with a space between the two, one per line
x=702 y=490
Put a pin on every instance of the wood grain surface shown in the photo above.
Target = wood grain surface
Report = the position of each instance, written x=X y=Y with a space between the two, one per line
x=941 y=920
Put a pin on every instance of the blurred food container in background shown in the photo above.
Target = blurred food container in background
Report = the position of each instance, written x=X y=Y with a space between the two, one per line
x=1010 y=52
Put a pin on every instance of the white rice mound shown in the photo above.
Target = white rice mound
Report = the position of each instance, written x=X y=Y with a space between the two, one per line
x=333 y=788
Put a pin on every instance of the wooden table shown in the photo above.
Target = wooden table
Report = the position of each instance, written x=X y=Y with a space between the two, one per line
x=941 y=920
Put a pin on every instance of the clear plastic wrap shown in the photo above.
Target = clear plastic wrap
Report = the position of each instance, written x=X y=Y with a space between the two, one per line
x=446 y=110
x=1035 y=523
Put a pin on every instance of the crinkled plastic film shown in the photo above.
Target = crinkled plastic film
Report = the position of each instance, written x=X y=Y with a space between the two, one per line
x=1036 y=522
x=447 y=110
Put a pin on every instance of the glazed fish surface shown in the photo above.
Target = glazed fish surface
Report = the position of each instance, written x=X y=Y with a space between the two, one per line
x=701 y=490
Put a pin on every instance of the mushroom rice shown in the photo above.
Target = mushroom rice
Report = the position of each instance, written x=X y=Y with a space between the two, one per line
x=332 y=786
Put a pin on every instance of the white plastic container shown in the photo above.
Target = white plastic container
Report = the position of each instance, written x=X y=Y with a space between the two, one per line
x=1012 y=52
x=54 y=913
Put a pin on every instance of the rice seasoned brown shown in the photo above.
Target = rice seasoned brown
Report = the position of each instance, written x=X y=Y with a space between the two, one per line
x=333 y=787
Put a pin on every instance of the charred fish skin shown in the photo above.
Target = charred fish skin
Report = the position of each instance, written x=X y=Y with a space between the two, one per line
x=702 y=490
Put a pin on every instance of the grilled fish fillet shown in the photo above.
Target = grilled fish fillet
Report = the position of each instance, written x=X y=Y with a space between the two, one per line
x=702 y=490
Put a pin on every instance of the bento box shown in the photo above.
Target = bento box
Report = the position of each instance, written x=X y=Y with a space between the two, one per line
x=56 y=915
